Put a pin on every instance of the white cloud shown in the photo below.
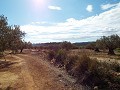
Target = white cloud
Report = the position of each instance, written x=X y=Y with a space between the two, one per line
x=108 y=6
x=38 y=23
x=54 y=8
x=89 y=8
x=73 y=30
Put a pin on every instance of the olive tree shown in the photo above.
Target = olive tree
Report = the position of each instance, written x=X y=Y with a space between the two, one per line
x=15 y=40
x=24 y=45
x=110 y=42
x=10 y=36
x=3 y=32
x=66 y=45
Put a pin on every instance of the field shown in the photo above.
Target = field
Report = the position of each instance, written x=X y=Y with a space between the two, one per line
x=32 y=71
x=102 y=56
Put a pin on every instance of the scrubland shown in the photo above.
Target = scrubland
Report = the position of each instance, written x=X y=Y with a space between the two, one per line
x=45 y=69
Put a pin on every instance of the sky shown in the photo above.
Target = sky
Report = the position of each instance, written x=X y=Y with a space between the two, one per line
x=63 y=20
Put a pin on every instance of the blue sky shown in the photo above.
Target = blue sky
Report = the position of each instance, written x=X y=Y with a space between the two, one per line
x=60 y=20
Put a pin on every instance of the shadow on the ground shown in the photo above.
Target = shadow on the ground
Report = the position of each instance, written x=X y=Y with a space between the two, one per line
x=6 y=64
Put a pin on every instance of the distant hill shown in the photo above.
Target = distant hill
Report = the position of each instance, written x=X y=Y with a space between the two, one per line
x=38 y=44
x=45 y=44
x=82 y=43
x=57 y=43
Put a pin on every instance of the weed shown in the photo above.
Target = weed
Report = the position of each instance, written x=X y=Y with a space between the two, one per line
x=61 y=57
x=93 y=73
x=115 y=66
x=51 y=55
x=70 y=63
x=88 y=71
x=118 y=49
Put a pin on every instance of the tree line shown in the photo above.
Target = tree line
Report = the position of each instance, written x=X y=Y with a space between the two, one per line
x=109 y=43
x=11 y=37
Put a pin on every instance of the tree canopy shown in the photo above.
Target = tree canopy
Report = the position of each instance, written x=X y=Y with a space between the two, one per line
x=10 y=36
x=66 y=45
x=110 y=42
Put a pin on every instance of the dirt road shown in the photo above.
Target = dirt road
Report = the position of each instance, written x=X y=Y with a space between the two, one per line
x=37 y=74
x=32 y=72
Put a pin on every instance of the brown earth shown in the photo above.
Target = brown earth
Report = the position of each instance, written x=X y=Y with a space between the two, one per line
x=30 y=72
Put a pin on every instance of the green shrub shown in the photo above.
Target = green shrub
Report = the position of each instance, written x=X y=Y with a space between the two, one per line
x=61 y=57
x=93 y=73
x=51 y=55
x=1 y=54
x=118 y=50
x=66 y=45
x=115 y=66
x=81 y=66
x=70 y=63
x=89 y=71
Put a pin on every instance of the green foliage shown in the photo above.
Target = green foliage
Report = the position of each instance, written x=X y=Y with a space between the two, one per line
x=110 y=42
x=90 y=46
x=82 y=64
x=66 y=45
x=88 y=71
x=118 y=50
x=10 y=36
x=3 y=32
x=115 y=66
x=70 y=63
x=1 y=54
x=93 y=73
x=61 y=57
x=51 y=55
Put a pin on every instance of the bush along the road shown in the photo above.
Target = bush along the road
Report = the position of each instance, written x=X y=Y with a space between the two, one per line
x=51 y=55
x=105 y=76
x=118 y=50
x=59 y=57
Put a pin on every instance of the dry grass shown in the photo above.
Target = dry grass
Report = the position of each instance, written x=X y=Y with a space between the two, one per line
x=7 y=79
x=92 y=72
x=8 y=73
x=91 y=53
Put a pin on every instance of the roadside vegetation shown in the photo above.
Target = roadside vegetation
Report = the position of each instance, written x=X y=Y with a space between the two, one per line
x=109 y=42
x=91 y=72
x=118 y=50
x=88 y=71
x=11 y=38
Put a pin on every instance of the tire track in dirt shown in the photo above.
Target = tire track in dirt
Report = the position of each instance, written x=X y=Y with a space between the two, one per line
x=25 y=74
x=38 y=74
x=42 y=76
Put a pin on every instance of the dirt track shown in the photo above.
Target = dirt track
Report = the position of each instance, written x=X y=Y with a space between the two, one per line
x=31 y=72
x=37 y=74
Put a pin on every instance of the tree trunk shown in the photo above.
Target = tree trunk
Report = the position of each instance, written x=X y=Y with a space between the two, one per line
x=111 y=51
x=3 y=55
x=21 y=50
x=97 y=50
